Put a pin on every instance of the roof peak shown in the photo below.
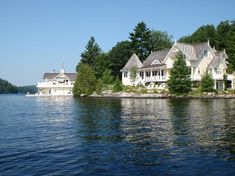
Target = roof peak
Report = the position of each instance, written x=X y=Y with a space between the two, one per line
x=133 y=62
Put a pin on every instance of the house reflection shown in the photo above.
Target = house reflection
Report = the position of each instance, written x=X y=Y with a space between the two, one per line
x=164 y=123
x=147 y=121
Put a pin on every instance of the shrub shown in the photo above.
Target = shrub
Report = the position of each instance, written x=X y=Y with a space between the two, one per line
x=207 y=84
x=117 y=86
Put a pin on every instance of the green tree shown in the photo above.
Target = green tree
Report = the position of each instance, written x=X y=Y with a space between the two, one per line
x=7 y=88
x=90 y=54
x=207 y=84
x=99 y=86
x=203 y=34
x=179 y=81
x=223 y=29
x=117 y=86
x=185 y=39
x=230 y=48
x=102 y=63
x=141 y=41
x=133 y=75
x=85 y=82
x=107 y=77
x=118 y=57
x=104 y=82
x=160 y=40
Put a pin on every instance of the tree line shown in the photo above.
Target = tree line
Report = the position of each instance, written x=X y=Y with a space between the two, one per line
x=8 y=88
x=102 y=69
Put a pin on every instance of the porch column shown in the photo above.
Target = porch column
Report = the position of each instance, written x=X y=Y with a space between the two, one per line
x=214 y=84
x=160 y=74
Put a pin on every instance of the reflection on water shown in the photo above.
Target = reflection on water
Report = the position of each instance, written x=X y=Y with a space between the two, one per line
x=66 y=136
x=197 y=124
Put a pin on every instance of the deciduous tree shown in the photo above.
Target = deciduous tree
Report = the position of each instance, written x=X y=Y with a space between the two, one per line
x=85 y=82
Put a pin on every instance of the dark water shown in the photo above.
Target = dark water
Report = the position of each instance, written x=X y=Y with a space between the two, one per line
x=66 y=136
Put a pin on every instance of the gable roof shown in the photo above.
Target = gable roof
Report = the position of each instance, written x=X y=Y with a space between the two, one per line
x=187 y=50
x=156 y=55
x=133 y=62
x=221 y=54
x=220 y=57
x=215 y=62
x=50 y=76
x=199 y=48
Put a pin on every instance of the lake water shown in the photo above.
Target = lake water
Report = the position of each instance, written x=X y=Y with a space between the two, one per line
x=66 y=136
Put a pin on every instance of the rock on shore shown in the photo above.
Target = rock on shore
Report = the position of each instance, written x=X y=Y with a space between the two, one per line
x=154 y=95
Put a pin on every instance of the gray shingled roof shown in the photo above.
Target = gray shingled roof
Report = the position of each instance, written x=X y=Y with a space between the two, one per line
x=153 y=66
x=188 y=50
x=133 y=62
x=192 y=51
x=49 y=76
x=214 y=62
x=199 y=48
x=221 y=54
x=220 y=57
x=156 y=55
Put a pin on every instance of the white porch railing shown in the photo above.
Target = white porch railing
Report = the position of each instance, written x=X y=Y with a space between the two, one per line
x=48 y=84
x=155 y=78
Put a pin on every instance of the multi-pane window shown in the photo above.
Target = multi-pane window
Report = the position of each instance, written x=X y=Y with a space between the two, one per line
x=155 y=73
x=125 y=74
x=148 y=74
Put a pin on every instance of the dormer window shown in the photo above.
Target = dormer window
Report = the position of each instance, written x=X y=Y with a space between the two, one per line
x=125 y=74
x=205 y=53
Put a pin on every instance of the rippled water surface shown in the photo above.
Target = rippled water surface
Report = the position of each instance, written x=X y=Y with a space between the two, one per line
x=66 y=136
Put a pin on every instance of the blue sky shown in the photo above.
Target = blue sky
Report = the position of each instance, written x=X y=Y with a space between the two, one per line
x=38 y=36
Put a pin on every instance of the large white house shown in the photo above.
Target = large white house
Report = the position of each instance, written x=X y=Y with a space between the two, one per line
x=56 y=83
x=200 y=58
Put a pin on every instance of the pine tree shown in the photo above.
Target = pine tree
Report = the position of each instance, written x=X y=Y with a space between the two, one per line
x=91 y=53
x=179 y=81
x=141 y=41
x=207 y=83
x=85 y=82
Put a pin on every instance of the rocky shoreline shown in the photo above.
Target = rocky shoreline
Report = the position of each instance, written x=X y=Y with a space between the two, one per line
x=161 y=96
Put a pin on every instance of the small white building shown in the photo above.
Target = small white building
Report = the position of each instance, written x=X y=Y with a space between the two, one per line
x=200 y=58
x=57 y=83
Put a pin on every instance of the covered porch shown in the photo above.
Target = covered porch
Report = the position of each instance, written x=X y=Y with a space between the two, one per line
x=153 y=74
